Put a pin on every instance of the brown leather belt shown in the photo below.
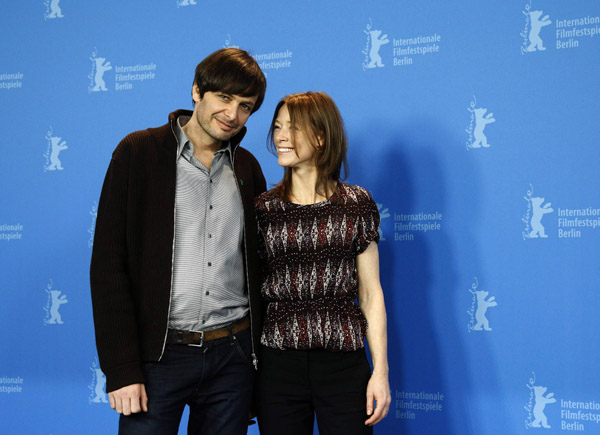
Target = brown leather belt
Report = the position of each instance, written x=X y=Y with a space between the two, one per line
x=198 y=338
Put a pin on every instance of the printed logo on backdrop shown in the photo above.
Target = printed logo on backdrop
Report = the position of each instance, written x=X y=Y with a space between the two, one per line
x=479 y=119
x=54 y=147
x=410 y=405
x=383 y=214
x=52 y=309
x=124 y=76
x=406 y=225
x=535 y=407
x=11 y=232
x=375 y=40
x=480 y=303
x=11 y=385
x=269 y=61
x=181 y=3
x=92 y=228
x=572 y=223
x=10 y=81
x=575 y=415
x=534 y=22
x=97 y=385
x=537 y=208
x=53 y=10
x=99 y=66
x=402 y=51
x=568 y=33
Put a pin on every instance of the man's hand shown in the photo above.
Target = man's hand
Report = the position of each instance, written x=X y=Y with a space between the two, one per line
x=129 y=400
x=378 y=389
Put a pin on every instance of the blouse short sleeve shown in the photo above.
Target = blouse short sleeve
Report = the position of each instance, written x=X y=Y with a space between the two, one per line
x=367 y=222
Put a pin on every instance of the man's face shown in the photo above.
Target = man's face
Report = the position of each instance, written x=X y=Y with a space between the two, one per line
x=220 y=115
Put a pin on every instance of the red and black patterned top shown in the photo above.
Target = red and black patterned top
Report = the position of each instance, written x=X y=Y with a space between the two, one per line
x=310 y=282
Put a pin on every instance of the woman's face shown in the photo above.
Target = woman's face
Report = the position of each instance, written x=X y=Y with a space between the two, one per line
x=294 y=149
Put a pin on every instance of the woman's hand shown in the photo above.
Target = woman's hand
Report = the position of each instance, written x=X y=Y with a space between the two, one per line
x=378 y=390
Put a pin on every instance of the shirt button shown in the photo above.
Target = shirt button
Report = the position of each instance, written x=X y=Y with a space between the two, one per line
x=211 y=180
x=210 y=236
x=203 y=322
x=207 y=293
x=209 y=264
x=210 y=206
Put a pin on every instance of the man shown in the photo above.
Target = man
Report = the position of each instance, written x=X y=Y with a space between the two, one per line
x=174 y=282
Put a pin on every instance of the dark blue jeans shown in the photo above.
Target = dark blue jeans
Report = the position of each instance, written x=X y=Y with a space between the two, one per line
x=215 y=381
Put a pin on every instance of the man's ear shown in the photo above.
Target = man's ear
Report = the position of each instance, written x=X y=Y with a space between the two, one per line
x=196 y=93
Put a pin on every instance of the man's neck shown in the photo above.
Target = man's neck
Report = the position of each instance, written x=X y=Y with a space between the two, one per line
x=201 y=142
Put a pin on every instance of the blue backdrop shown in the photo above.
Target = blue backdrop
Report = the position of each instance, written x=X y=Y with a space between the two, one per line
x=473 y=124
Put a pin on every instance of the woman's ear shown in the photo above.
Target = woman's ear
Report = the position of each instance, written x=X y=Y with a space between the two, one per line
x=320 y=140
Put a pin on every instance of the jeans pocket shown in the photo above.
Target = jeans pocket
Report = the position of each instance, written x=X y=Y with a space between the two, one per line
x=244 y=348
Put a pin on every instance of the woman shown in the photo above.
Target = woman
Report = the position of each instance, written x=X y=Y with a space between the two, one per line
x=318 y=245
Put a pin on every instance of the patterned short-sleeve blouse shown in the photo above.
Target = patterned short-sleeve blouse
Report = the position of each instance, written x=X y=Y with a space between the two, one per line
x=310 y=280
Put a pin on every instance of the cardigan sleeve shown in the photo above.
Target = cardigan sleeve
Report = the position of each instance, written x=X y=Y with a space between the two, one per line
x=112 y=299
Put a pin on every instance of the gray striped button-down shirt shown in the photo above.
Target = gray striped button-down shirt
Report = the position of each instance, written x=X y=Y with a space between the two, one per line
x=208 y=267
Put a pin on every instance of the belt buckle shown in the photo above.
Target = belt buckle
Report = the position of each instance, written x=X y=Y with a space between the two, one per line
x=201 y=339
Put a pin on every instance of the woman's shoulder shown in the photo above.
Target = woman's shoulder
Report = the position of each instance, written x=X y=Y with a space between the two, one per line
x=354 y=193
x=267 y=199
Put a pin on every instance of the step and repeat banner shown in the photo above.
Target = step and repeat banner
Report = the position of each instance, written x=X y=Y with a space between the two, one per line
x=473 y=124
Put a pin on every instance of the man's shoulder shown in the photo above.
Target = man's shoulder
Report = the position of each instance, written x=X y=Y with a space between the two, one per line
x=145 y=140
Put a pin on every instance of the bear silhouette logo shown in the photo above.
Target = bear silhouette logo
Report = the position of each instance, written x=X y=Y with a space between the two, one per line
x=480 y=139
x=535 y=42
x=53 y=10
x=538 y=399
x=377 y=41
x=383 y=213
x=541 y=401
x=55 y=146
x=55 y=300
x=479 y=307
x=538 y=212
x=482 y=306
x=99 y=67
x=479 y=120
x=97 y=386
x=536 y=209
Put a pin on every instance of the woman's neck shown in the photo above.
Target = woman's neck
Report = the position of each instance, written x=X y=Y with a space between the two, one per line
x=304 y=187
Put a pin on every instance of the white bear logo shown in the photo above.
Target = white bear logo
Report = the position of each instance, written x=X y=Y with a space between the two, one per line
x=538 y=212
x=541 y=401
x=100 y=68
x=186 y=3
x=376 y=42
x=56 y=301
x=98 y=383
x=56 y=146
x=482 y=306
x=534 y=33
x=53 y=10
x=480 y=139
x=383 y=213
